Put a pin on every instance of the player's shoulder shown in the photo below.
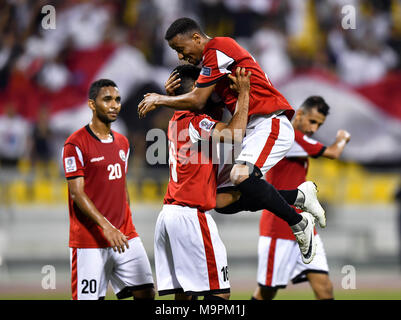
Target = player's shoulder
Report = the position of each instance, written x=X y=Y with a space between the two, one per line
x=76 y=137
x=221 y=42
x=120 y=137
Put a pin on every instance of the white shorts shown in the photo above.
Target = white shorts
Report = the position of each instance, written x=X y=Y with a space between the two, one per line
x=93 y=268
x=279 y=261
x=189 y=254
x=268 y=139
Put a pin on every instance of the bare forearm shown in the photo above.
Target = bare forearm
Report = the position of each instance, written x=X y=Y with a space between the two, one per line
x=335 y=150
x=187 y=101
x=240 y=118
x=87 y=207
x=234 y=131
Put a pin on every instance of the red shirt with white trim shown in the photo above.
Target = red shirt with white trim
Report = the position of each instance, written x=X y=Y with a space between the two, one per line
x=221 y=56
x=103 y=166
x=288 y=174
x=193 y=176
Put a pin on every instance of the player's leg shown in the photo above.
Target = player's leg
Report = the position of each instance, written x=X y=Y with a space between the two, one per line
x=317 y=272
x=90 y=271
x=263 y=147
x=264 y=293
x=132 y=274
x=321 y=285
x=166 y=278
x=199 y=257
x=217 y=297
x=276 y=261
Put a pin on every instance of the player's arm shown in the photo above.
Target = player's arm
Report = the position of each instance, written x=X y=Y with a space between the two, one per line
x=193 y=101
x=335 y=150
x=127 y=193
x=235 y=129
x=115 y=237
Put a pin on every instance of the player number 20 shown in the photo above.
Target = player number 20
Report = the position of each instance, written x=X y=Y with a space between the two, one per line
x=89 y=286
x=115 y=171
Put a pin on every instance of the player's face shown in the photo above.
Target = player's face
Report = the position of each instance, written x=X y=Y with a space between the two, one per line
x=188 y=47
x=107 y=105
x=308 y=122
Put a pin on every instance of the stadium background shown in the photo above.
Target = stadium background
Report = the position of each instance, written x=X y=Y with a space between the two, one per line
x=304 y=46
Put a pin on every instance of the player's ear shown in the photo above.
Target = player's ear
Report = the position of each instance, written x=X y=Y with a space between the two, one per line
x=91 y=104
x=196 y=37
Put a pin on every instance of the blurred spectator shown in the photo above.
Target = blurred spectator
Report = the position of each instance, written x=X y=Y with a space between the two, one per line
x=398 y=201
x=14 y=131
x=41 y=141
x=40 y=65
x=269 y=45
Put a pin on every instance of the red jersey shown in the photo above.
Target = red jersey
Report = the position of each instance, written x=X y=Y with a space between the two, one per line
x=288 y=174
x=103 y=166
x=193 y=176
x=222 y=56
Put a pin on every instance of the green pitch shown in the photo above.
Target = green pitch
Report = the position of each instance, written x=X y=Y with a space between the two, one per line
x=282 y=295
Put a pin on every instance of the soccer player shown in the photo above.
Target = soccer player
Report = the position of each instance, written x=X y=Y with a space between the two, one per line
x=190 y=258
x=278 y=257
x=104 y=245
x=269 y=132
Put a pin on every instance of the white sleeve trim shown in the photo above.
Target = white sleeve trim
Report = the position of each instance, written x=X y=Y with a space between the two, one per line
x=80 y=157
x=126 y=160
x=223 y=61
x=193 y=134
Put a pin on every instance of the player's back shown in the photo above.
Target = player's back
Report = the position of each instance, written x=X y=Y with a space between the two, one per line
x=223 y=55
x=192 y=180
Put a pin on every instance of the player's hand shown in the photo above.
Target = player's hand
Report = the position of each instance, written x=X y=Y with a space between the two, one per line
x=147 y=104
x=116 y=238
x=241 y=81
x=172 y=83
x=343 y=135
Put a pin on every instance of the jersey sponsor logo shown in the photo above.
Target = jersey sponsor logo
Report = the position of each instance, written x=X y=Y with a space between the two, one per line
x=97 y=159
x=122 y=155
x=70 y=164
x=206 y=124
x=206 y=71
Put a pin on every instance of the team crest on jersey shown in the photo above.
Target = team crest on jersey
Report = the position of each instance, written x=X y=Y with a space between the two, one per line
x=70 y=164
x=206 y=71
x=122 y=155
x=206 y=124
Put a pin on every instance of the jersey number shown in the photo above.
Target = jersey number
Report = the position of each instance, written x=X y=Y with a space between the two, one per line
x=172 y=161
x=115 y=171
x=224 y=271
x=89 y=286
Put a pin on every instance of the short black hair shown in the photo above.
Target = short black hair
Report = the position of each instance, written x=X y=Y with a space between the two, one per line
x=97 y=85
x=188 y=74
x=316 y=102
x=182 y=26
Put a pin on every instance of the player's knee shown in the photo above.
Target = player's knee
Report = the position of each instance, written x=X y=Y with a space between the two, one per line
x=144 y=294
x=324 y=290
x=239 y=173
x=267 y=293
x=216 y=297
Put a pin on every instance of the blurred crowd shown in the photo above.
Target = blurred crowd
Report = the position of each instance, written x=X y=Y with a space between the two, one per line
x=358 y=41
